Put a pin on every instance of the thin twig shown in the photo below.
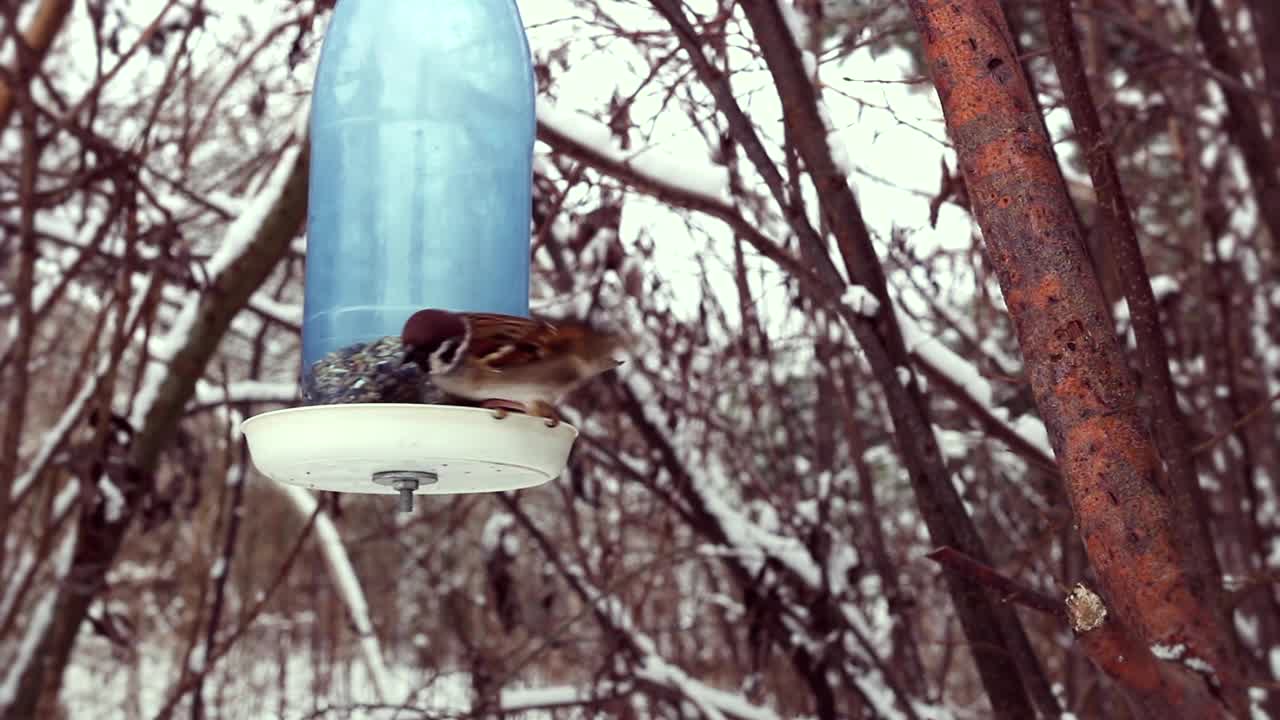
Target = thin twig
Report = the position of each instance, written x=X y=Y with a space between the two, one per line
x=1239 y=423
x=17 y=407
x=249 y=617
x=1011 y=590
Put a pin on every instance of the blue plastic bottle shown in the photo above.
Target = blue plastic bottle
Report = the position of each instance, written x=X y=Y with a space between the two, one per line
x=422 y=133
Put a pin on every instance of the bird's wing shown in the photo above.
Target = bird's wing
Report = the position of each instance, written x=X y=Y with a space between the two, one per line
x=503 y=341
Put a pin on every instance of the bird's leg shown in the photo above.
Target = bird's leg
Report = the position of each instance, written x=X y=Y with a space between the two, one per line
x=545 y=410
x=500 y=407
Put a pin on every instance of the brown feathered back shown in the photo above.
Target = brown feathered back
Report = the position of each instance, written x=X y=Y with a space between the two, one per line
x=505 y=340
x=503 y=343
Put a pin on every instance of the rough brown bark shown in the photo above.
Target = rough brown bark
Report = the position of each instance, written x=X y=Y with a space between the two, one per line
x=1158 y=689
x=1110 y=465
x=1121 y=236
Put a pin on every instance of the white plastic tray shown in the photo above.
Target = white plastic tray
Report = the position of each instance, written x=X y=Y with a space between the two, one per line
x=340 y=447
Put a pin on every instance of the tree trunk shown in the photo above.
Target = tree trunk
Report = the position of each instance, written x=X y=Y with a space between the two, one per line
x=1157 y=596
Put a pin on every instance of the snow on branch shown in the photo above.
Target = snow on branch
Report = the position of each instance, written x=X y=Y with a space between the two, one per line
x=749 y=544
x=57 y=435
x=588 y=141
x=964 y=375
x=744 y=538
x=348 y=585
x=287 y=314
x=515 y=700
x=38 y=625
x=862 y=300
x=246 y=391
x=652 y=668
x=703 y=179
x=798 y=25
x=239 y=246
x=252 y=247
x=20 y=576
x=750 y=541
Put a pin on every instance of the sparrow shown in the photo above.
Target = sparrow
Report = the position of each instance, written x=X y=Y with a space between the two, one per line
x=508 y=362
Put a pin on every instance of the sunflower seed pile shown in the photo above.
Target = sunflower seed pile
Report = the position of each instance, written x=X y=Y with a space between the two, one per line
x=368 y=373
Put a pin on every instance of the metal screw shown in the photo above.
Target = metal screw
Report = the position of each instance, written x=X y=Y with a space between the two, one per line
x=405 y=482
x=406 y=486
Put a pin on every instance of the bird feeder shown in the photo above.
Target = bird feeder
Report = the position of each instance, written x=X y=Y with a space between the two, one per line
x=422 y=129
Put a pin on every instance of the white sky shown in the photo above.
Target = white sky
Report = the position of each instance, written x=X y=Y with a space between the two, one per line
x=895 y=156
